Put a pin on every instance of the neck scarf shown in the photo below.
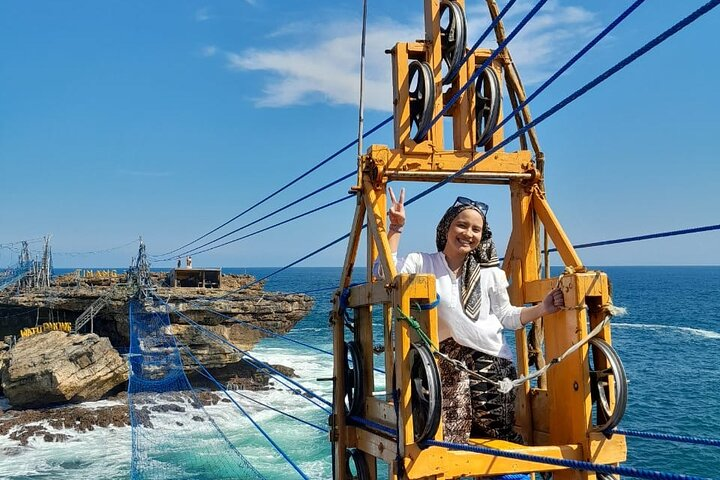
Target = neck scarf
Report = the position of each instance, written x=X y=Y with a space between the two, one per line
x=483 y=256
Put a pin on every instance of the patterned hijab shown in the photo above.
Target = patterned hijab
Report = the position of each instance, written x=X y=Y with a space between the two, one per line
x=483 y=256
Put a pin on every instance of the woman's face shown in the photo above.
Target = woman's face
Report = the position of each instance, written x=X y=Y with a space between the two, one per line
x=465 y=233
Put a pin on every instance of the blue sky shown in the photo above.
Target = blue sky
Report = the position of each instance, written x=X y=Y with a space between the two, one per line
x=164 y=119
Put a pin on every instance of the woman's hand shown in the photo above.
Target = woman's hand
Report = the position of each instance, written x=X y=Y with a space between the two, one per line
x=553 y=301
x=396 y=214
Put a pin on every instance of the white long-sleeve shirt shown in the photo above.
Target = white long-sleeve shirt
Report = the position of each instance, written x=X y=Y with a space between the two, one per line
x=496 y=312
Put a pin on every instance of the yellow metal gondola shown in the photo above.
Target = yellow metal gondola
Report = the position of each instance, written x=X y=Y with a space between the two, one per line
x=556 y=416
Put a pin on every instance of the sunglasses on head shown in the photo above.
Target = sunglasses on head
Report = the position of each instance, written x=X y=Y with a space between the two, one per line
x=471 y=203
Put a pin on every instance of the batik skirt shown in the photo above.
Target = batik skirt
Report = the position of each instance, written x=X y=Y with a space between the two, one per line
x=474 y=407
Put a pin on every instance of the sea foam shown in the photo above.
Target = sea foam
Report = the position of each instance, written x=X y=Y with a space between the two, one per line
x=709 y=334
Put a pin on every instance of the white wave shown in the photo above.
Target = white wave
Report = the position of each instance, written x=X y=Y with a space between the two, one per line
x=694 y=331
x=101 y=404
x=283 y=430
x=76 y=458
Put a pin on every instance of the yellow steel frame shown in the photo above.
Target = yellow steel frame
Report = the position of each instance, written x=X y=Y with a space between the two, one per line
x=556 y=421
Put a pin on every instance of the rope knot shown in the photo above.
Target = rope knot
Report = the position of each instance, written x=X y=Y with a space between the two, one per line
x=505 y=385
x=614 y=311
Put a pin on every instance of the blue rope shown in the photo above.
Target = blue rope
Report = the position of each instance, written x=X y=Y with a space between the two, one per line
x=259 y=428
x=452 y=101
x=574 y=96
x=668 y=436
x=645 y=237
x=577 y=94
x=324 y=289
x=262 y=365
x=274 y=212
x=343 y=307
x=427 y=306
x=274 y=334
x=269 y=332
x=205 y=373
x=607 y=242
x=455 y=97
x=277 y=335
x=245 y=463
x=574 y=464
x=373 y=425
x=487 y=62
x=629 y=59
x=275 y=225
x=258 y=363
x=344 y=298
x=282 y=269
x=547 y=83
x=572 y=61
x=315 y=252
x=284 y=337
x=334 y=155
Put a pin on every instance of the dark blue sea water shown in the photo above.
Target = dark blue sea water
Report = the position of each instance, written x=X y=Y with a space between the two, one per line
x=668 y=342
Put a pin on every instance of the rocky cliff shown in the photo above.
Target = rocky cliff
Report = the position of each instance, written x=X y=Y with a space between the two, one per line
x=235 y=311
x=56 y=367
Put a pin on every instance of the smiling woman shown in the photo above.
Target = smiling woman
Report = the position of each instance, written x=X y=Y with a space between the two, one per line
x=474 y=309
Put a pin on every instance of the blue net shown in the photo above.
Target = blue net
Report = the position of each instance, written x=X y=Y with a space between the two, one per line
x=12 y=275
x=173 y=436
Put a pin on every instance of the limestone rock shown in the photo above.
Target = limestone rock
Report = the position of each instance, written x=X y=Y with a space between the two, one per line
x=57 y=367
x=241 y=312
x=69 y=296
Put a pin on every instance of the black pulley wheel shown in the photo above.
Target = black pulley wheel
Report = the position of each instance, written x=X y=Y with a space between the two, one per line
x=453 y=37
x=422 y=97
x=354 y=375
x=606 y=369
x=356 y=467
x=426 y=394
x=487 y=105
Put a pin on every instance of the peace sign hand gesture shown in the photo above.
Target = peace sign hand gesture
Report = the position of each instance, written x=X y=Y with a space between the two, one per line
x=396 y=214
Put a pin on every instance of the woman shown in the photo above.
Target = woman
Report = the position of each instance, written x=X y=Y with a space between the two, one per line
x=473 y=311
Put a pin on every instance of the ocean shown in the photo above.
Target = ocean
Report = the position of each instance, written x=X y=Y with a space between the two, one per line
x=668 y=342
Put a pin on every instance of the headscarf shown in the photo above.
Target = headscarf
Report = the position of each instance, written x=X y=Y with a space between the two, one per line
x=483 y=256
